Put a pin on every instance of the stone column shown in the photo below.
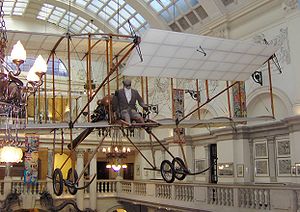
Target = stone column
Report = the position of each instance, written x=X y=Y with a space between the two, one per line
x=272 y=159
x=207 y=155
x=250 y=170
x=93 y=186
x=190 y=157
x=50 y=170
x=7 y=185
x=79 y=168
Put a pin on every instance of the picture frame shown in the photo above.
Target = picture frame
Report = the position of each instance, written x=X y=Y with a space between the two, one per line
x=200 y=165
x=261 y=168
x=225 y=169
x=240 y=170
x=261 y=149
x=293 y=170
x=297 y=165
x=283 y=148
x=284 y=166
x=138 y=170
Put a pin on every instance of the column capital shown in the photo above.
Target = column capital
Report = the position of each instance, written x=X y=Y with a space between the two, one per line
x=50 y=149
x=271 y=139
x=80 y=152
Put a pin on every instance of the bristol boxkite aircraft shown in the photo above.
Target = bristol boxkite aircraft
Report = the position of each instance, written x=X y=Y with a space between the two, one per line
x=157 y=54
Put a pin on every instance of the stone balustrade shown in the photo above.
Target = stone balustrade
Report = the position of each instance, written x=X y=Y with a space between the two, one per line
x=179 y=196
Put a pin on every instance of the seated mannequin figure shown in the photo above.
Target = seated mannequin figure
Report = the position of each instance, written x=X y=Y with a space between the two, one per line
x=124 y=103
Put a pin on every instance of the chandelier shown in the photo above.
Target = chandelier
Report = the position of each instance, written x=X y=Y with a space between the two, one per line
x=14 y=92
x=116 y=152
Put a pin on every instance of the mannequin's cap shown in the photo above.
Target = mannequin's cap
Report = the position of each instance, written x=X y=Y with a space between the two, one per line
x=127 y=82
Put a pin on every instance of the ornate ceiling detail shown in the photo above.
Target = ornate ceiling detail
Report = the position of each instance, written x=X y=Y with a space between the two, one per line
x=289 y=5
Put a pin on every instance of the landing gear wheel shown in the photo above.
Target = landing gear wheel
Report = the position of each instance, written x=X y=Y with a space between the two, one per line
x=167 y=171
x=72 y=185
x=57 y=181
x=179 y=168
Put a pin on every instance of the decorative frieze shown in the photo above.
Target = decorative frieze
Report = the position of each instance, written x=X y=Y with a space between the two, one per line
x=289 y=5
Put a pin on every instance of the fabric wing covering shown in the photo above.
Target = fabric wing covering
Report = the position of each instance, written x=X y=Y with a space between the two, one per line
x=187 y=56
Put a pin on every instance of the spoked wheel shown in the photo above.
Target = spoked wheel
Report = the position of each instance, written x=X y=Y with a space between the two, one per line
x=57 y=181
x=179 y=168
x=167 y=171
x=71 y=179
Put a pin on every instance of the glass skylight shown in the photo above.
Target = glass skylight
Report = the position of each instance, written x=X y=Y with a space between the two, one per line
x=14 y=7
x=179 y=14
x=66 y=19
x=116 y=13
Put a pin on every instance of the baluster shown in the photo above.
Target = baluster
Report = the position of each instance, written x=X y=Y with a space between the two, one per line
x=267 y=197
x=214 y=195
x=97 y=187
x=251 y=193
x=240 y=197
x=217 y=196
x=209 y=195
x=231 y=197
x=259 y=199
x=219 y=192
x=181 y=193
x=221 y=196
x=225 y=196
x=244 y=197
x=247 y=198
x=255 y=198
x=102 y=187
x=113 y=185
x=160 y=191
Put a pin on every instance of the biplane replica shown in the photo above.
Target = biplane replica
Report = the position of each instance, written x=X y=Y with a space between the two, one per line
x=157 y=54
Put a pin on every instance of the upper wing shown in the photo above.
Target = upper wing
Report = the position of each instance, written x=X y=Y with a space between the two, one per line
x=180 y=55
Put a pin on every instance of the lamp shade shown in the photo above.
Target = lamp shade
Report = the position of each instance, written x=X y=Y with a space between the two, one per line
x=10 y=154
x=40 y=66
x=32 y=76
x=18 y=52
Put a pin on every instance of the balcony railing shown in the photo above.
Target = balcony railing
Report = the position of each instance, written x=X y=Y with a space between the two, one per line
x=189 y=196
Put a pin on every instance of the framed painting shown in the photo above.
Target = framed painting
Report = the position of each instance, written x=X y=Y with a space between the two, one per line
x=261 y=168
x=225 y=169
x=293 y=170
x=240 y=170
x=200 y=165
x=260 y=149
x=297 y=167
x=284 y=166
x=283 y=148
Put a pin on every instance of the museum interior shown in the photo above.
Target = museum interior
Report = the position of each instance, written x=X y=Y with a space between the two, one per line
x=218 y=94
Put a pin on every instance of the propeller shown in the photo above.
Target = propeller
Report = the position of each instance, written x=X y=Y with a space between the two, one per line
x=136 y=41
